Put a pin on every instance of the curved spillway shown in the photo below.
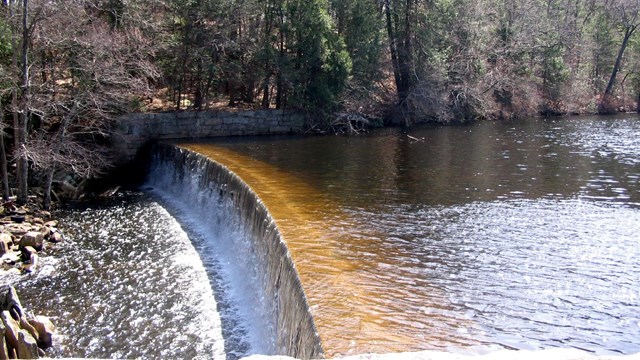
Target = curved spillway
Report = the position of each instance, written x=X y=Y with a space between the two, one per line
x=211 y=189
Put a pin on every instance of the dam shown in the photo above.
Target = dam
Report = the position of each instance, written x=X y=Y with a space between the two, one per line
x=463 y=239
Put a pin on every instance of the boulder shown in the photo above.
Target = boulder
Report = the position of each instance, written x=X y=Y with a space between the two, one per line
x=45 y=329
x=56 y=237
x=12 y=329
x=51 y=224
x=27 y=346
x=45 y=231
x=6 y=241
x=30 y=265
x=10 y=302
x=26 y=325
x=27 y=252
x=18 y=229
x=17 y=218
x=34 y=239
x=4 y=351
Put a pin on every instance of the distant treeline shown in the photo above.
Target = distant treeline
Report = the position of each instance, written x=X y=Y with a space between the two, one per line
x=67 y=67
x=427 y=60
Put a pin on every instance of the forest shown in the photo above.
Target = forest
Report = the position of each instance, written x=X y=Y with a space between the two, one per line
x=68 y=68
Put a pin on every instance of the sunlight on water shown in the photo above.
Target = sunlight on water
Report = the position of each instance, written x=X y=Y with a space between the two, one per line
x=506 y=235
x=129 y=284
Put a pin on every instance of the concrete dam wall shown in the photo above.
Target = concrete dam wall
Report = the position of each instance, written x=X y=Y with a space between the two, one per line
x=133 y=131
x=211 y=188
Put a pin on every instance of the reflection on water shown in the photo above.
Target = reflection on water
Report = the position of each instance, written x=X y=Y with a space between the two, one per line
x=517 y=235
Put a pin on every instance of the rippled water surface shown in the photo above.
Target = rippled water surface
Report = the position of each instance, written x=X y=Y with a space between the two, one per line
x=498 y=235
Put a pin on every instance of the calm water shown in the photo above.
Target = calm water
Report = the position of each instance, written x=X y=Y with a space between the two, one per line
x=498 y=235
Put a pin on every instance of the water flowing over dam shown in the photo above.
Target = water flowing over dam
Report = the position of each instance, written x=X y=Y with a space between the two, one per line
x=248 y=233
x=462 y=239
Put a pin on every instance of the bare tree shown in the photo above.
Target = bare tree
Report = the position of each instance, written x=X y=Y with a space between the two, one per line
x=22 y=168
x=627 y=14
x=87 y=72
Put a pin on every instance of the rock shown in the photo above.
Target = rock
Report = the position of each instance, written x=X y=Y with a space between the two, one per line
x=18 y=229
x=6 y=242
x=45 y=329
x=25 y=325
x=10 y=259
x=56 y=237
x=27 y=251
x=24 y=333
x=29 y=266
x=27 y=346
x=12 y=329
x=30 y=257
x=32 y=238
x=10 y=302
x=51 y=224
x=45 y=231
x=4 y=351
x=17 y=218
x=37 y=220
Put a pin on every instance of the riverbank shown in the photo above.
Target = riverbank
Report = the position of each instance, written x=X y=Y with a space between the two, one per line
x=25 y=231
x=23 y=335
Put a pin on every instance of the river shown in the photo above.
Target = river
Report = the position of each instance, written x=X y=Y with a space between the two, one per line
x=518 y=235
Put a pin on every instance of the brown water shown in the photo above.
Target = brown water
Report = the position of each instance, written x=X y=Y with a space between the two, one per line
x=497 y=235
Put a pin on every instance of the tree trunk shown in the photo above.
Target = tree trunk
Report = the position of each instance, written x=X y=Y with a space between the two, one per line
x=279 y=83
x=14 y=94
x=22 y=163
x=3 y=160
x=265 y=92
x=405 y=55
x=47 y=190
x=393 y=49
x=400 y=47
x=605 y=102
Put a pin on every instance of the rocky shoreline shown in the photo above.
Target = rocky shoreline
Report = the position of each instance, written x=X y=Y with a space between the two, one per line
x=24 y=232
x=23 y=335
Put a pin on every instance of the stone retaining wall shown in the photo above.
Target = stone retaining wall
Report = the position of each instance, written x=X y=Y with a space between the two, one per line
x=134 y=131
